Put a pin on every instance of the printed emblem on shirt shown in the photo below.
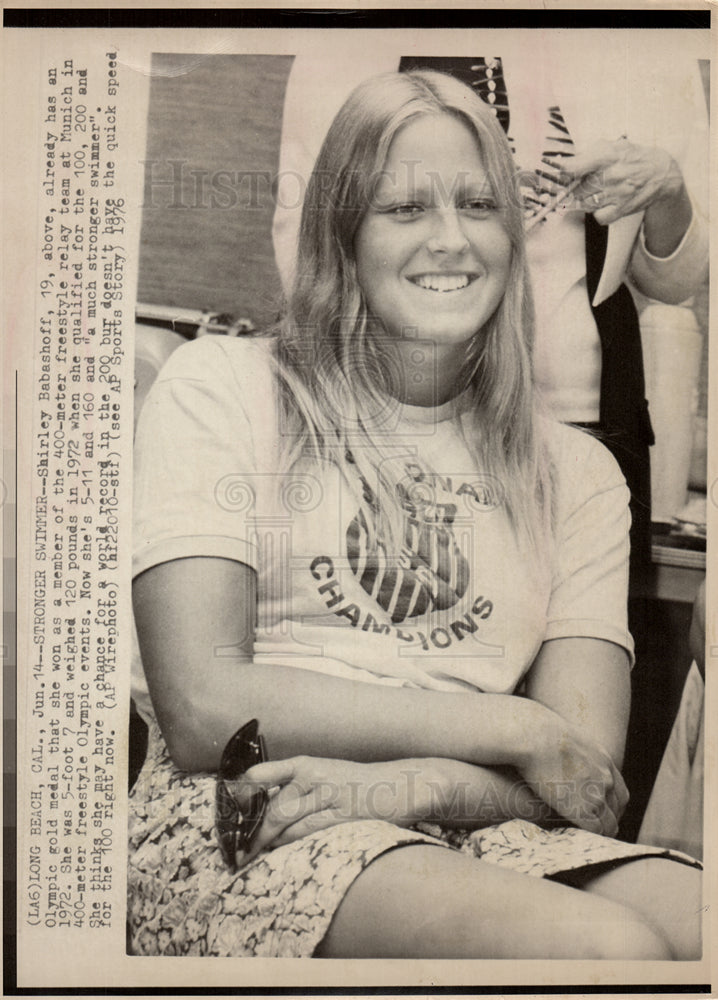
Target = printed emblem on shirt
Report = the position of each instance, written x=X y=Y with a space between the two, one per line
x=430 y=573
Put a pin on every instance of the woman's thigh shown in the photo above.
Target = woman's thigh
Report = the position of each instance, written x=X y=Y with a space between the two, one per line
x=421 y=901
x=665 y=893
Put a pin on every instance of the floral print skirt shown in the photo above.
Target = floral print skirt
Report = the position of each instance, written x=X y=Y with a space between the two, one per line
x=183 y=901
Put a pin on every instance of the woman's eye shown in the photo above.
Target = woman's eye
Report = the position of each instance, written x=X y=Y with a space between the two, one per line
x=480 y=206
x=405 y=211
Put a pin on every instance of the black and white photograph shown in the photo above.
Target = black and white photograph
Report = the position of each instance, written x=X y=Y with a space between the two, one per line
x=393 y=525
x=398 y=530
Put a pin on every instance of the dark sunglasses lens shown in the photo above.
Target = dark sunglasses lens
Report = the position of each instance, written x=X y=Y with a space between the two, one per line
x=239 y=812
x=238 y=818
x=227 y=807
x=226 y=815
x=252 y=817
x=244 y=749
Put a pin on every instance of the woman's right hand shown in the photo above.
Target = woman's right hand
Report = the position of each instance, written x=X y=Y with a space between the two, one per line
x=572 y=773
x=307 y=794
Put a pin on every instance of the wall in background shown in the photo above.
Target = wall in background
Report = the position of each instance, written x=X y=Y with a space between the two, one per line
x=213 y=139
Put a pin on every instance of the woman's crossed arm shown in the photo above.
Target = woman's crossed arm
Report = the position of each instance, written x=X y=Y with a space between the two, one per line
x=191 y=613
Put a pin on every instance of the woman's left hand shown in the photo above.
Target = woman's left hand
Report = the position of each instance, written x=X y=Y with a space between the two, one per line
x=307 y=794
x=620 y=178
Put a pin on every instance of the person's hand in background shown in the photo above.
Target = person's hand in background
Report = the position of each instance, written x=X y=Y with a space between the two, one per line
x=620 y=178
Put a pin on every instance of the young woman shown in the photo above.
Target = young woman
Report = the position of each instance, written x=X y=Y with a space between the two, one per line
x=362 y=532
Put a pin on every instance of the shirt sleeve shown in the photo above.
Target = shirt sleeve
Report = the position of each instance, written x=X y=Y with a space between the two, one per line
x=590 y=580
x=196 y=469
x=675 y=278
x=675 y=118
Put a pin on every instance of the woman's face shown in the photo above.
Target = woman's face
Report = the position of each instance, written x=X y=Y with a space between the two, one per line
x=432 y=252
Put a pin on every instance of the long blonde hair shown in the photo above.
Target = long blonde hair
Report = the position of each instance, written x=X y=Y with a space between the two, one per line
x=334 y=373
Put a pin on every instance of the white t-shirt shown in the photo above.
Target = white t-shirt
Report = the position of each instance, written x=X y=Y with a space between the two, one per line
x=462 y=607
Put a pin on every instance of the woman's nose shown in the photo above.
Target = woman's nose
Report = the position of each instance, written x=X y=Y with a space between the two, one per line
x=448 y=234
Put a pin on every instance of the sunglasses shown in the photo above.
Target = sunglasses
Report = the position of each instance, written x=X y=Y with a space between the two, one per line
x=238 y=814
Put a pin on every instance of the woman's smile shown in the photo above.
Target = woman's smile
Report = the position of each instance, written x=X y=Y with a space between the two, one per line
x=443 y=282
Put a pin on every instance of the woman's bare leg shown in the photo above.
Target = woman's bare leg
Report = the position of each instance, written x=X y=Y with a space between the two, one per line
x=666 y=894
x=421 y=901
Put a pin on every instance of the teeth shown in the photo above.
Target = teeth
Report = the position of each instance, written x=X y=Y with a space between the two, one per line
x=442 y=282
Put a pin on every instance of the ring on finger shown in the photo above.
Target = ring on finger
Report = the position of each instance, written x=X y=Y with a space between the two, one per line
x=595 y=200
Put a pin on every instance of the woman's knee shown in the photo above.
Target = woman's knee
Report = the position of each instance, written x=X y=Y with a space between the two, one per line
x=664 y=894
x=629 y=939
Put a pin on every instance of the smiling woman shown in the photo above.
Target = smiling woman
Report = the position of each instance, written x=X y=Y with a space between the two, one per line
x=361 y=531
